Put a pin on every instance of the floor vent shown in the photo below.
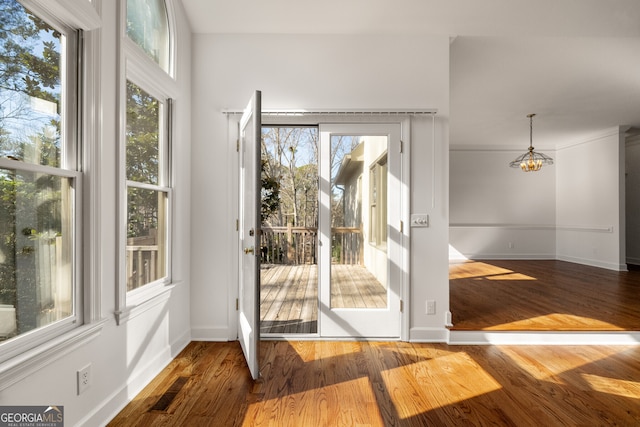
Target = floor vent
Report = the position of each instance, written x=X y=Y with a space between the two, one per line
x=165 y=400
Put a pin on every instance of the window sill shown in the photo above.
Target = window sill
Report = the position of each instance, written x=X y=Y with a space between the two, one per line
x=25 y=364
x=143 y=302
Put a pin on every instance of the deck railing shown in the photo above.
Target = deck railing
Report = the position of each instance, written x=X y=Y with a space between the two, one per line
x=298 y=245
x=141 y=265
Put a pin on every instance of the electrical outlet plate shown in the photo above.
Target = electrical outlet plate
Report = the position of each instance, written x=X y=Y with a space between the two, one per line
x=419 y=220
x=84 y=378
x=431 y=306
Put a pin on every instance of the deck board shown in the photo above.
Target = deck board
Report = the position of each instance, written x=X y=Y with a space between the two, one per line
x=289 y=295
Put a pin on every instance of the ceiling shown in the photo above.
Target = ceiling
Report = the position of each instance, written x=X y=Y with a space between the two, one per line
x=575 y=63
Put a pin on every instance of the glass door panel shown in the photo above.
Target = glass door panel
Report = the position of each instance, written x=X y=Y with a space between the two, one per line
x=359 y=221
x=360 y=233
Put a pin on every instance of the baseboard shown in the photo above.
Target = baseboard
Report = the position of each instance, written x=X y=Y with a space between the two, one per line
x=113 y=404
x=543 y=338
x=210 y=334
x=633 y=260
x=496 y=256
x=179 y=344
x=593 y=263
x=422 y=334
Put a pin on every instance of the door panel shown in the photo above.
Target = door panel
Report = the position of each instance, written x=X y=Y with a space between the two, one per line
x=360 y=239
x=249 y=233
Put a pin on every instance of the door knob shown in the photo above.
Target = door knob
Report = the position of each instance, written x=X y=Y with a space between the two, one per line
x=248 y=250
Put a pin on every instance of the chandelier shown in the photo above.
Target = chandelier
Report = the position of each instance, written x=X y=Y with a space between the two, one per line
x=531 y=161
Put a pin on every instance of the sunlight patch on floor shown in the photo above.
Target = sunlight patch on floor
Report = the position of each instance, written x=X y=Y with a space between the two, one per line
x=462 y=379
x=477 y=269
x=510 y=276
x=311 y=408
x=614 y=386
x=550 y=321
x=543 y=364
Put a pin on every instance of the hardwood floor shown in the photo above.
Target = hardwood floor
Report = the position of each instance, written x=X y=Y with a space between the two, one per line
x=289 y=295
x=315 y=383
x=543 y=296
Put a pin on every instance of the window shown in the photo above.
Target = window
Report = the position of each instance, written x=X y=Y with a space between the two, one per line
x=39 y=178
x=378 y=202
x=145 y=193
x=148 y=27
x=147 y=197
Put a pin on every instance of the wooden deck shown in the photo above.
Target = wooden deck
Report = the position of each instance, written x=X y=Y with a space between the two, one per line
x=289 y=295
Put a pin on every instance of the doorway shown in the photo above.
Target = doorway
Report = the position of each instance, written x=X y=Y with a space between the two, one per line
x=328 y=251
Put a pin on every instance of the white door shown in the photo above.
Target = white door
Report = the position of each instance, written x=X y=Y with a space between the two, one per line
x=360 y=230
x=249 y=233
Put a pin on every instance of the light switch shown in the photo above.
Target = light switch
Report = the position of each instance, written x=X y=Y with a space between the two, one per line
x=419 y=220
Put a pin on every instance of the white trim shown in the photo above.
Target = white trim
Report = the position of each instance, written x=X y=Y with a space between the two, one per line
x=543 y=338
x=605 y=133
x=594 y=263
x=233 y=207
x=498 y=256
x=31 y=167
x=147 y=74
x=33 y=360
x=215 y=333
x=144 y=301
x=405 y=216
x=494 y=148
x=91 y=152
x=107 y=409
x=582 y=228
x=79 y=14
x=586 y=228
x=338 y=111
x=428 y=335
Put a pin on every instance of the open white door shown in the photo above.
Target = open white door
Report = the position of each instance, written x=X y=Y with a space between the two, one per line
x=360 y=230
x=249 y=233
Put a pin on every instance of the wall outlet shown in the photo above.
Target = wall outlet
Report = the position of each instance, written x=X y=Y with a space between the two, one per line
x=84 y=378
x=431 y=306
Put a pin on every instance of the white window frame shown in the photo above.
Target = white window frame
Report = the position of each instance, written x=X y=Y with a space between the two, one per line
x=137 y=67
x=35 y=349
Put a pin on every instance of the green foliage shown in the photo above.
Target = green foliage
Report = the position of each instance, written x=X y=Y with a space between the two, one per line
x=30 y=56
x=142 y=156
x=28 y=64
x=270 y=194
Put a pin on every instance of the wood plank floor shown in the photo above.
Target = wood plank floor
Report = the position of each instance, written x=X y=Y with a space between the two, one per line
x=289 y=295
x=313 y=383
x=543 y=295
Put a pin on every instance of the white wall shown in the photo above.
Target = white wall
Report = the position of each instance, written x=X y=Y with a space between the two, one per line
x=123 y=358
x=311 y=71
x=589 y=215
x=572 y=211
x=632 y=160
x=498 y=212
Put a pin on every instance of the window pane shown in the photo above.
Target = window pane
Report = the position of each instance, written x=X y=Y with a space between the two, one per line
x=146 y=236
x=36 y=251
x=143 y=125
x=148 y=27
x=31 y=87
